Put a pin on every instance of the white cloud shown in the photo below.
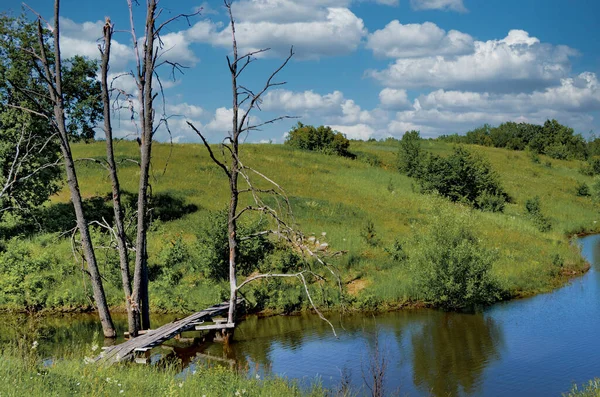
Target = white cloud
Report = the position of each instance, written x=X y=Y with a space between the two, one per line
x=454 y=5
x=446 y=112
x=330 y=32
x=83 y=39
x=185 y=109
x=418 y=40
x=517 y=62
x=176 y=49
x=394 y=99
x=357 y=131
x=302 y=101
x=221 y=121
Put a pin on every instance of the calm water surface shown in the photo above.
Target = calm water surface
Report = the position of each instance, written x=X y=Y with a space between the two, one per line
x=532 y=347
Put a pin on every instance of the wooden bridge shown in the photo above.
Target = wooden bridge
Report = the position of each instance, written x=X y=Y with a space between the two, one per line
x=142 y=344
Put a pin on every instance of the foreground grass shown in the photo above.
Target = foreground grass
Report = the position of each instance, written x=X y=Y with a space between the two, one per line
x=24 y=375
x=338 y=197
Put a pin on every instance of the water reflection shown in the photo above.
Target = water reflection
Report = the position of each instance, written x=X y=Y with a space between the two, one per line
x=451 y=351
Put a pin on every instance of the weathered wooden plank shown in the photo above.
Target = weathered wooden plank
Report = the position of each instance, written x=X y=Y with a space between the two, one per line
x=214 y=326
x=153 y=338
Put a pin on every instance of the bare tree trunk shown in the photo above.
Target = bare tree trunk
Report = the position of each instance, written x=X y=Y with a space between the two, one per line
x=144 y=76
x=56 y=94
x=241 y=124
x=132 y=313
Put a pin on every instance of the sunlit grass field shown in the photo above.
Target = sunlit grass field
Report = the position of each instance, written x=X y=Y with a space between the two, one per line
x=339 y=197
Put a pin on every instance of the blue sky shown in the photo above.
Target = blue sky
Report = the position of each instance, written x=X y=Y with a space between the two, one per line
x=368 y=68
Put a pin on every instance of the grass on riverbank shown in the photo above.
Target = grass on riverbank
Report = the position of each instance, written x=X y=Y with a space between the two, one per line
x=343 y=198
x=26 y=374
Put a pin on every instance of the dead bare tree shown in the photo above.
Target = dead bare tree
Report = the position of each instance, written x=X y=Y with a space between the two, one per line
x=146 y=65
x=54 y=83
x=119 y=231
x=244 y=102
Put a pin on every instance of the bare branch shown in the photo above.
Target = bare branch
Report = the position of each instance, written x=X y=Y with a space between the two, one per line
x=210 y=152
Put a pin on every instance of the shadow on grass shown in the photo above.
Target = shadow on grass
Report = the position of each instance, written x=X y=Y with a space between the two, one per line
x=60 y=217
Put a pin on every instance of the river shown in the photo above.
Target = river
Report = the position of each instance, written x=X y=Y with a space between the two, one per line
x=528 y=347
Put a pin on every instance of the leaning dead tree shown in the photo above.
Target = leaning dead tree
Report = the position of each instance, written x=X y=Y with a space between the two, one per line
x=51 y=72
x=244 y=102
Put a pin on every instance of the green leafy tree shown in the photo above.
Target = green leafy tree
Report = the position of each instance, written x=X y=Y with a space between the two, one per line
x=319 y=139
x=29 y=148
x=410 y=154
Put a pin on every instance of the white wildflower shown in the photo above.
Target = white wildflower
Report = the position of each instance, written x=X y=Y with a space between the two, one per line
x=257 y=376
x=180 y=384
x=121 y=391
x=35 y=344
x=108 y=380
x=94 y=347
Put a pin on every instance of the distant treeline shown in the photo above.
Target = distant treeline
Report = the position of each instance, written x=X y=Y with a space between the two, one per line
x=552 y=139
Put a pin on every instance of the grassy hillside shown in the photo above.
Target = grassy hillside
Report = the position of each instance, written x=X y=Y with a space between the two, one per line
x=339 y=197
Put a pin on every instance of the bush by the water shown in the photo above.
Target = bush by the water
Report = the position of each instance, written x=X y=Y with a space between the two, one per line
x=319 y=139
x=453 y=270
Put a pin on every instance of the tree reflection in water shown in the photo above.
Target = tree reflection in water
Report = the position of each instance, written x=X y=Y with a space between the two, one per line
x=451 y=351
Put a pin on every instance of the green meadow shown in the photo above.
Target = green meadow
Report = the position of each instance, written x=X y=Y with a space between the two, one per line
x=362 y=208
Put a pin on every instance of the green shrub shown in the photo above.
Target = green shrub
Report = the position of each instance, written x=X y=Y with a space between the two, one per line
x=533 y=209
x=396 y=252
x=319 y=139
x=453 y=270
x=369 y=234
x=583 y=190
x=24 y=278
x=596 y=190
x=464 y=177
x=410 y=154
x=368 y=158
x=591 y=168
x=213 y=247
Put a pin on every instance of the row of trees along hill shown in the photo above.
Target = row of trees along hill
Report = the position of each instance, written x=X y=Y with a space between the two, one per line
x=552 y=139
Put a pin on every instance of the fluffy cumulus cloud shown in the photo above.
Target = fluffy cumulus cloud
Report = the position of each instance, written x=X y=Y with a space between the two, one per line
x=452 y=5
x=394 y=99
x=320 y=31
x=302 y=102
x=83 y=38
x=418 y=40
x=517 y=62
x=332 y=108
x=444 y=112
x=355 y=131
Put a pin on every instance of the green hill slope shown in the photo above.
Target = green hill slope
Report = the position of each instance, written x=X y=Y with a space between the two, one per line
x=338 y=200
